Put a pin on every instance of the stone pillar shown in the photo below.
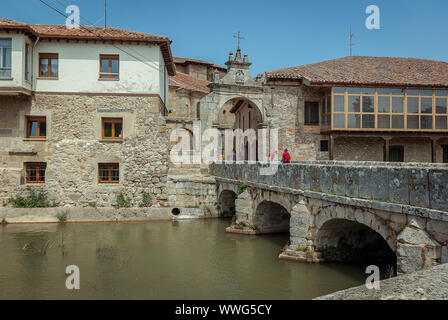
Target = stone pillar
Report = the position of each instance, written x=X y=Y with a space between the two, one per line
x=299 y=225
x=416 y=250
x=434 y=150
x=244 y=207
x=386 y=156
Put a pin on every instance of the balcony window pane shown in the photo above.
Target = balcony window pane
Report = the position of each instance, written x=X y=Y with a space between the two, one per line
x=441 y=123
x=42 y=129
x=44 y=67
x=383 y=104
x=354 y=121
x=384 y=91
x=339 y=103
x=413 y=92
x=440 y=105
x=339 y=121
x=368 y=91
x=397 y=92
x=368 y=103
x=441 y=93
x=426 y=105
x=108 y=129
x=33 y=128
x=368 y=121
x=426 y=92
x=354 y=103
x=413 y=122
x=54 y=67
x=397 y=105
x=398 y=122
x=338 y=90
x=118 y=130
x=426 y=122
x=354 y=90
x=412 y=105
x=384 y=121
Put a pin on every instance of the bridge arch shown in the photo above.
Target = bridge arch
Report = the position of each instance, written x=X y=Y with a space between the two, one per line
x=271 y=217
x=226 y=201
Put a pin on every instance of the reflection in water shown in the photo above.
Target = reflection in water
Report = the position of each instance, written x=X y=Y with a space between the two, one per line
x=159 y=260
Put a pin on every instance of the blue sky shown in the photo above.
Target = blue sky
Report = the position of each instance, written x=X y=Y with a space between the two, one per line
x=281 y=33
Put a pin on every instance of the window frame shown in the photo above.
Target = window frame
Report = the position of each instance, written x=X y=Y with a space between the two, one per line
x=110 y=58
x=38 y=166
x=109 y=167
x=114 y=121
x=316 y=106
x=3 y=63
x=37 y=119
x=49 y=56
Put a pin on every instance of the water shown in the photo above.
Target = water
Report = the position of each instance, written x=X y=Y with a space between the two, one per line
x=159 y=260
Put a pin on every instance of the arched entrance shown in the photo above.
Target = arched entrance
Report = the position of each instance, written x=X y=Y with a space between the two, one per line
x=353 y=242
x=271 y=217
x=240 y=114
x=227 y=203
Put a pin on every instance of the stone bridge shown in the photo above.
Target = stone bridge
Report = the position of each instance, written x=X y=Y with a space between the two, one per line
x=343 y=210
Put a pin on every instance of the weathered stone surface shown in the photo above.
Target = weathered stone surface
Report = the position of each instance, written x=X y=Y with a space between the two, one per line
x=430 y=284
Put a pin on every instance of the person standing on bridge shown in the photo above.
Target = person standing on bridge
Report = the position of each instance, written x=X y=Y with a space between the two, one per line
x=286 y=158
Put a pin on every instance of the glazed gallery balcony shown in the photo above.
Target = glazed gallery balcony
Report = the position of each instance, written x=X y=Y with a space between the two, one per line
x=384 y=109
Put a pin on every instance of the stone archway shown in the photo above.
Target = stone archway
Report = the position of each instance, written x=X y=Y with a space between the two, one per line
x=271 y=217
x=226 y=203
x=344 y=240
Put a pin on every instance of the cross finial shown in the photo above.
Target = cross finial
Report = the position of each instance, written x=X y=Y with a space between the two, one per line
x=239 y=38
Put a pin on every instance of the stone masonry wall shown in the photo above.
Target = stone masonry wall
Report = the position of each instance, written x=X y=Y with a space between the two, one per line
x=73 y=149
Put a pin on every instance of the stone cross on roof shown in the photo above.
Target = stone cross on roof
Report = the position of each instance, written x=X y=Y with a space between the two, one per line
x=239 y=38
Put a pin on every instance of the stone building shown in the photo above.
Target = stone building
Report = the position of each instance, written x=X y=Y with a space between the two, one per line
x=82 y=113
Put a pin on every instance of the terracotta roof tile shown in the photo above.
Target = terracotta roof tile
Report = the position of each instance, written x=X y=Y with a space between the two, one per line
x=184 y=81
x=357 y=70
x=180 y=60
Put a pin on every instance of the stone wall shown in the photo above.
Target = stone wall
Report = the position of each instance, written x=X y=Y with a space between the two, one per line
x=73 y=149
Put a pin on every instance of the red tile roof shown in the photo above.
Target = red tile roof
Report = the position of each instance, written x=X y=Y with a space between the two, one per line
x=45 y=31
x=179 y=60
x=184 y=81
x=382 y=71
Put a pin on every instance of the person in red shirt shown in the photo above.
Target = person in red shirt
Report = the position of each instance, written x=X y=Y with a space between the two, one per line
x=286 y=157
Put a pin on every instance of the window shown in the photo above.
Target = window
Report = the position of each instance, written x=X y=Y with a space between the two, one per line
x=396 y=154
x=48 y=65
x=5 y=58
x=445 y=154
x=112 y=128
x=109 y=66
x=109 y=173
x=324 y=145
x=27 y=62
x=35 y=172
x=36 y=127
x=311 y=113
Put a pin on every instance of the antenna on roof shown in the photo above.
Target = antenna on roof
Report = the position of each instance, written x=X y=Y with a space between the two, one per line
x=351 y=41
x=105 y=13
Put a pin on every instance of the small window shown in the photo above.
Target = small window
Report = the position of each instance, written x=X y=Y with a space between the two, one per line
x=35 y=172
x=5 y=58
x=36 y=127
x=109 y=173
x=311 y=113
x=445 y=154
x=27 y=62
x=109 y=66
x=324 y=145
x=48 y=65
x=113 y=128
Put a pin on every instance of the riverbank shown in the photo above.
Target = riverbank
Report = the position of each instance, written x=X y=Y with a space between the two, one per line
x=429 y=284
x=89 y=215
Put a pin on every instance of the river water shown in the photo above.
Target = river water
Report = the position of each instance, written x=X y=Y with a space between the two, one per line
x=159 y=260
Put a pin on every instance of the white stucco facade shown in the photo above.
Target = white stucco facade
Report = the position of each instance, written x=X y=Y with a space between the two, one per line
x=141 y=67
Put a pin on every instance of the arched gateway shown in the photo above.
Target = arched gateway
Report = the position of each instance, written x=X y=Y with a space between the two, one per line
x=235 y=102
